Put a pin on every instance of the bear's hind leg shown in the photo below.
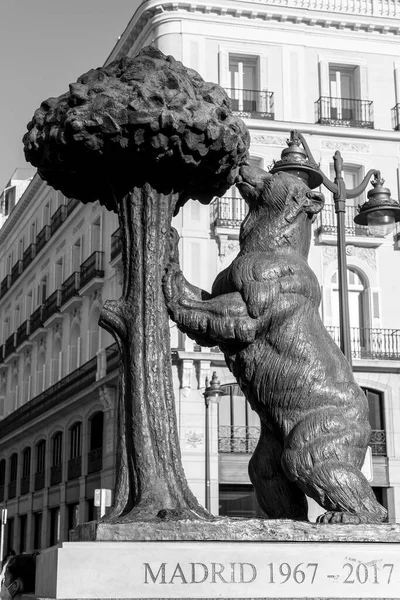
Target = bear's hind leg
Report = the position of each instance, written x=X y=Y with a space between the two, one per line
x=278 y=497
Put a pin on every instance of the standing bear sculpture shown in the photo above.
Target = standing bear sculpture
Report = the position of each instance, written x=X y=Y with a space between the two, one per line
x=263 y=312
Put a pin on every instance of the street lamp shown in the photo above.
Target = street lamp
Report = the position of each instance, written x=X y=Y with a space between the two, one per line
x=379 y=213
x=212 y=393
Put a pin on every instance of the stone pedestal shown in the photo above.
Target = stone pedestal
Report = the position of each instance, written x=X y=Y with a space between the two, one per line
x=224 y=558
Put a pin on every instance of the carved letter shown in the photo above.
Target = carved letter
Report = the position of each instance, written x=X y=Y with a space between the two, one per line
x=178 y=573
x=147 y=569
x=205 y=575
x=254 y=570
x=218 y=572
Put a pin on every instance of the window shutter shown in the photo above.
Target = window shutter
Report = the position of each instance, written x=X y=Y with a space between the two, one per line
x=324 y=78
x=223 y=62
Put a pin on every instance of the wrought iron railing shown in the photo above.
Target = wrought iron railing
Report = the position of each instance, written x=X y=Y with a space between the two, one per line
x=42 y=238
x=252 y=103
x=72 y=204
x=39 y=480
x=243 y=440
x=12 y=489
x=5 y=285
x=95 y=460
x=23 y=332
x=383 y=344
x=28 y=256
x=327 y=222
x=10 y=344
x=378 y=442
x=92 y=268
x=36 y=319
x=237 y=439
x=228 y=212
x=55 y=474
x=116 y=244
x=58 y=218
x=16 y=271
x=25 y=481
x=344 y=112
x=396 y=117
x=75 y=467
x=52 y=305
x=70 y=287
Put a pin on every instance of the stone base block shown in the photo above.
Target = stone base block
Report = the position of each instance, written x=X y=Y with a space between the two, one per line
x=272 y=560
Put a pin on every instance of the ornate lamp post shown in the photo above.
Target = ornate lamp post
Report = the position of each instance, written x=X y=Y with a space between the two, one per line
x=212 y=393
x=379 y=213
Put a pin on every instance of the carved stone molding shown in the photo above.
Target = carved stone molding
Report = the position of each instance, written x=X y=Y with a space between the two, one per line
x=227 y=246
x=58 y=329
x=346 y=146
x=269 y=140
x=186 y=376
x=106 y=396
x=203 y=371
x=193 y=439
x=367 y=255
x=60 y=247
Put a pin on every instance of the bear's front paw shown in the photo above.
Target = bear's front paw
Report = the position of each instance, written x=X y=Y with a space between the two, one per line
x=173 y=284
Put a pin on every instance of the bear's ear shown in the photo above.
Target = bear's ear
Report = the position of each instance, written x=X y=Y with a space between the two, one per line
x=313 y=203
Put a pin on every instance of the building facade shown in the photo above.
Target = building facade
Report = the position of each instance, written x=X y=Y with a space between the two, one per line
x=329 y=69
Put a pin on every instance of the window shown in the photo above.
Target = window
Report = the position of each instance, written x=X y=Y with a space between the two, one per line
x=57 y=449
x=8 y=200
x=32 y=232
x=94 y=333
x=26 y=384
x=73 y=515
x=40 y=465
x=10 y=534
x=12 y=486
x=59 y=274
x=238 y=425
x=26 y=463
x=238 y=501
x=2 y=478
x=74 y=348
x=342 y=82
x=357 y=301
x=96 y=235
x=56 y=362
x=76 y=256
x=55 y=526
x=243 y=83
x=95 y=456
x=75 y=440
x=42 y=291
x=22 y=533
x=352 y=175
x=37 y=530
x=41 y=373
x=46 y=214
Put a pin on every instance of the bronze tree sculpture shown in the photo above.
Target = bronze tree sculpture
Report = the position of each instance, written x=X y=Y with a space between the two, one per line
x=142 y=136
x=263 y=313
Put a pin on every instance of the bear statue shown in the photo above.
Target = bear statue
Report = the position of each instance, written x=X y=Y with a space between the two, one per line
x=263 y=313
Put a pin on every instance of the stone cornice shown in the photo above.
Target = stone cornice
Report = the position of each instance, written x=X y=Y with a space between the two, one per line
x=253 y=10
x=20 y=207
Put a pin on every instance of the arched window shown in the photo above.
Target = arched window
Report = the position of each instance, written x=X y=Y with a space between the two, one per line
x=26 y=471
x=40 y=465
x=12 y=482
x=95 y=456
x=2 y=478
x=75 y=451
x=56 y=459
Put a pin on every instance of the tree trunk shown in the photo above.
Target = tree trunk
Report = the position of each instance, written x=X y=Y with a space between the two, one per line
x=150 y=476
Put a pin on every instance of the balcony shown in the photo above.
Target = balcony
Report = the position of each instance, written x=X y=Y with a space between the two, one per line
x=23 y=333
x=56 y=474
x=228 y=212
x=25 y=485
x=42 y=238
x=70 y=298
x=28 y=256
x=344 y=112
x=39 y=481
x=12 y=489
x=37 y=328
x=74 y=467
x=10 y=347
x=5 y=285
x=237 y=439
x=367 y=343
x=72 y=204
x=51 y=309
x=326 y=228
x=258 y=104
x=243 y=440
x=116 y=248
x=95 y=460
x=57 y=219
x=16 y=271
x=92 y=273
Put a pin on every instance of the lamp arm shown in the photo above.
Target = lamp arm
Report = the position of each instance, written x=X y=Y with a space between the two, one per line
x=330 y=185
x=360 y=188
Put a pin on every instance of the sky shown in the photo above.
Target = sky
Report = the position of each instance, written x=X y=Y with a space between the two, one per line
x=44 y=46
